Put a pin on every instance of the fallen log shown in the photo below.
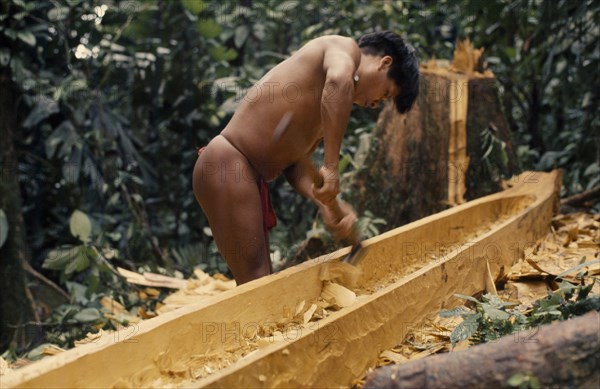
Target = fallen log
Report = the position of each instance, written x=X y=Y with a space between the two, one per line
x=275 y=332
x=564 y=354
x=582 y=197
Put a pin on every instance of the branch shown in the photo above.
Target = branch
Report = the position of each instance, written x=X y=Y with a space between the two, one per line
x=27 y=267
x=582 y=197
x=32 y=304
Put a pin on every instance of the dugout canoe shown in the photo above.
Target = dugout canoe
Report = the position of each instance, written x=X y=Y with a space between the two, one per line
x=409 y=274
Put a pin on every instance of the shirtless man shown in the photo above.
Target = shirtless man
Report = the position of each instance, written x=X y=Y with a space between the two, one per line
x=302 y=101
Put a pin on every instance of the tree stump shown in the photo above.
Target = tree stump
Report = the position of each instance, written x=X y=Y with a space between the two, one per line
x=453 y=146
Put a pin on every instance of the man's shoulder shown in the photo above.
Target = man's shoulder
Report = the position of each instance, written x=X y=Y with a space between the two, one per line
x=336 y=43
x=334 y=40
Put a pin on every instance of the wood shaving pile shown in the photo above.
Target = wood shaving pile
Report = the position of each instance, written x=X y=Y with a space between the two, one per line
x=182 y=372
x=202 y=286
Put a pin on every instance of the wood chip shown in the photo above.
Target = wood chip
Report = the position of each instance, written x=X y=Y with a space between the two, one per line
x=4 y=368
x=389 y=356
x=299 y=308
x=309 y=313
x=338 y=295
x=112 y=306
x=429 y=351
x=152 y=279
x=221 y=277
x=52 y=350
x=91 y=337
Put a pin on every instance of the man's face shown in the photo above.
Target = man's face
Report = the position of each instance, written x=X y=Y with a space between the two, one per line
x=374 y=84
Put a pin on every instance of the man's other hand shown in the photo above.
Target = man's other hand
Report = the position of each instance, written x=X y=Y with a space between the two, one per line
x=340 y=228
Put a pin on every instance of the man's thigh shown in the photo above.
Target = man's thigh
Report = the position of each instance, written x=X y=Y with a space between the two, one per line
x=226 y=187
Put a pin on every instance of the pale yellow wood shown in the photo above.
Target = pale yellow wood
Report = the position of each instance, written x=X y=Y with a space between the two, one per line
x=455 y=93
x=458 y=98
x=424 y=264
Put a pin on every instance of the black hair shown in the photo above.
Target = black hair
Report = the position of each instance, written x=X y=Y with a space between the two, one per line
x=404 y=69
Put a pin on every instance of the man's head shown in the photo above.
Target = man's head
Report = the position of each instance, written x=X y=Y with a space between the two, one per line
x=386 y=57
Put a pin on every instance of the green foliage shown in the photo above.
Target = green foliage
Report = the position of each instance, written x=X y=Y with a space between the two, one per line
x=368 y=225
x=494 y=150
x=80 y=225
x=88 y=275
x=148 y=82
x=72 y=260
x=492 y=318
x=565 y=302
x=545 y=55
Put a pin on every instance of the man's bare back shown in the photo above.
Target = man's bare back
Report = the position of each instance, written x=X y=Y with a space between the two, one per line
x=303 y=100
x=295 y=87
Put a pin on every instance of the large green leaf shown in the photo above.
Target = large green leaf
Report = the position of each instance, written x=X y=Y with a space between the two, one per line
x=59 y=258
x=87 y=315
x=27 y=37
x=43 y=108
x=495 y=313
x=61 y=141
x=81 y=226
x=194 y=6
x=3 y=227
x=221 y=53
x=465 y=329
x=78 y=292
x=20 y=3
x=58 y=13
x=79 y=263
x=209 y=28
x=241 y=34
x=12 y=34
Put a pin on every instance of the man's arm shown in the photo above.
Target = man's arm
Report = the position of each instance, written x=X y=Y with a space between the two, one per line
x=336 y=105
x=301 y=177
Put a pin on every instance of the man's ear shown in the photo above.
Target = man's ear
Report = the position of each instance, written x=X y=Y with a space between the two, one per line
x=385 y=62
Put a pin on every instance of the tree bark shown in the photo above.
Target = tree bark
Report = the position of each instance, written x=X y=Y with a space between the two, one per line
x=14 y=306
x=484 y=174
x=439 y=153
x=564 y=354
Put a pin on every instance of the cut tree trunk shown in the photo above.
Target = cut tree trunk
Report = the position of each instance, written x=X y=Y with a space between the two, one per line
x=564 y=354
x=408 y=275
x=453 y=146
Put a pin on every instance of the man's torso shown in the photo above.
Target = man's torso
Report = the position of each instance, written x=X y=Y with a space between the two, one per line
x=295 y=86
